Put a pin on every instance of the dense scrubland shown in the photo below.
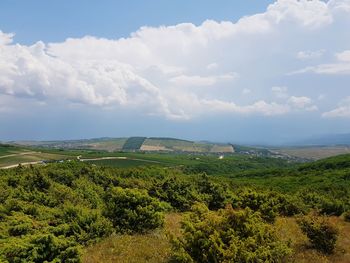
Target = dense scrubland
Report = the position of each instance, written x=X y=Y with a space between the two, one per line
x=200 y=209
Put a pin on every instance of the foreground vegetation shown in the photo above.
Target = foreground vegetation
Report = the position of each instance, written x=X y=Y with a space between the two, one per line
x=231 y=210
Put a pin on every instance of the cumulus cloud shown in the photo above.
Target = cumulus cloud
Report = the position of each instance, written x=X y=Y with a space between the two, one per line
x=156 y=69
x=5 y=38
x=303 y=103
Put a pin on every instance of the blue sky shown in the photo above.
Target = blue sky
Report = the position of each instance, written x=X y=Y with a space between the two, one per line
x=233 y=71
x=52 y=21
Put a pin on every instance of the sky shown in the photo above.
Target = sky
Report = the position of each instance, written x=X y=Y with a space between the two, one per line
x=257 y=71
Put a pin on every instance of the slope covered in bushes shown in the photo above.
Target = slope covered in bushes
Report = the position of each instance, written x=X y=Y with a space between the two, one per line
x=49 y=213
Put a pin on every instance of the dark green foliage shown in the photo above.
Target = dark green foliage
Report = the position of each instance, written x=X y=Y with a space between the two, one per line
x=322 y=235
x=332 y=163
x=133 y=143
x=269 y=203
x=324 y=204
x=227 y=236
x=65 y=202
x=179 y=193
x=347 y=216
x=62 y=207
x=133 y=210
x=233 y=165
x=213 y=194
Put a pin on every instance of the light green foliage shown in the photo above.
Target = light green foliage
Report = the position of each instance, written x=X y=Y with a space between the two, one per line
x=227 y=236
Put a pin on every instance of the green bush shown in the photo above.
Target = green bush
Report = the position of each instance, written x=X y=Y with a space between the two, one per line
x=38 y=249
x=84 y=224
x=179 y=194
x=227 y=236
x=347 y=216
x=269 y=203
x=133 y=210
x=213 y=194
x=324 y=204
x=322 y=235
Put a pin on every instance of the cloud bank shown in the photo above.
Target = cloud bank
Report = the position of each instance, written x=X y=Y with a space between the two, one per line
x=185 y=71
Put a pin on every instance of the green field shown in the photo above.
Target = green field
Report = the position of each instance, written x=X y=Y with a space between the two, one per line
x=9 y=150
x=13 y=155
x=126 y=163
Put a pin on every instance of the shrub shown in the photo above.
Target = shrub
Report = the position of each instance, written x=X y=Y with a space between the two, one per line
x=85 y=225
x=213 y=194
x=347 y=216
x=322 y=234
x=227 y=236
x=133 y=210
x=332 y=207
x=269 y=204
x=176 y=192
x=324 y=204
x=39 y=248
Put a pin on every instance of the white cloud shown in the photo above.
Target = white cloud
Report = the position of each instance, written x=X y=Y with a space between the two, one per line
x=304 y=55
x=193 y=81
x=344 y=56
x=5 y=38
x=299 y=102
x=342 y=111
x=149 y=70
x=280 y=92
x=340 y=67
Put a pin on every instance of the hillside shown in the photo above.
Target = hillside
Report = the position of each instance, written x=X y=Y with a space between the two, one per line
x=134 y=144
x=177 y=145
x=66 y=212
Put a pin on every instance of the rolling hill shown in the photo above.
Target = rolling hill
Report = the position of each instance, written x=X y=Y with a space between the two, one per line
x=144 y=144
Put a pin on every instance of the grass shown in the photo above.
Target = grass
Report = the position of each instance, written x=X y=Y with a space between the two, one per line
x=155 y=247
x=152 y=247
x=8 y=150
x=32 y=157
x=288 y=229
x=124 y=163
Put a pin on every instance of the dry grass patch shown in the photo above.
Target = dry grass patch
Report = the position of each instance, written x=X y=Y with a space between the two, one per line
x=153 y=247
x=288 y=229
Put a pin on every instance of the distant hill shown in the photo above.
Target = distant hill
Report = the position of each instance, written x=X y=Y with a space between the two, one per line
x=152 y=144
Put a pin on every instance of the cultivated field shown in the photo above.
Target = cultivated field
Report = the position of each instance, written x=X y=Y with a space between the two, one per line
x=314 y=153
